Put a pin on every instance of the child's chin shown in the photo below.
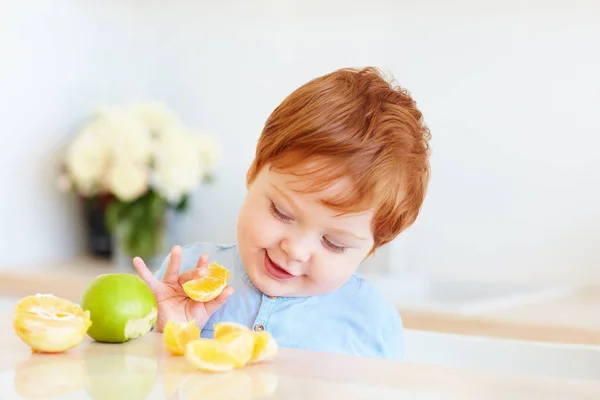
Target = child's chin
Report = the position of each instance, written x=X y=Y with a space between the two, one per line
x=274 y=288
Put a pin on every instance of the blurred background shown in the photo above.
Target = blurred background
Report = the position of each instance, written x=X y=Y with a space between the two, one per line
x=509 y=90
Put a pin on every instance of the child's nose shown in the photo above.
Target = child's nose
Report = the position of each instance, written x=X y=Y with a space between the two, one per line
x=296 y=249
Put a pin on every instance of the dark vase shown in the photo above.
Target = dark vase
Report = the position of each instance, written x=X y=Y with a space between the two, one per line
x=99 y=241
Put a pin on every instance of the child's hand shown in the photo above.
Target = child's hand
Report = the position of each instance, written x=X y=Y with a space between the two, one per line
x=173 y=302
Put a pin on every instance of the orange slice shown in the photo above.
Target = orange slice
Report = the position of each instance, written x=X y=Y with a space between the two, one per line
x=210 y=355
x=265 y=345
x=210 y=286
x=233 y=346
x=50 y=324
x=176 y=336
x=223 y=328
x=240 y=344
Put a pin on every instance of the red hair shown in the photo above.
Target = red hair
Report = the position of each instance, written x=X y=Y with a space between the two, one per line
x=353 y=124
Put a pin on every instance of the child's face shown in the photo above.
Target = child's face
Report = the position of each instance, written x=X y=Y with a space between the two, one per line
x=291 y=244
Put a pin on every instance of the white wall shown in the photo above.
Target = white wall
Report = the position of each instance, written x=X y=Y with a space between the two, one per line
x=509 y=90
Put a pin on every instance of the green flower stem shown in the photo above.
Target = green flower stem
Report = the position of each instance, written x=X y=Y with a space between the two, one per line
x=140 y=224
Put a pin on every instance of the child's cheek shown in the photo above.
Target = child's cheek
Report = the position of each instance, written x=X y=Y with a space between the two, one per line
x=331 y=271
x=269 y=231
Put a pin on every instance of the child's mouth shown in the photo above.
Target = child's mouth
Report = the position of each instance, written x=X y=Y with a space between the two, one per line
x=275 y=270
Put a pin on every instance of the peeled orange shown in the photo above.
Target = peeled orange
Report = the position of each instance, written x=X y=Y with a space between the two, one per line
x=176 y=336
x=210 y=286
x=50 y=324
x=210 y=355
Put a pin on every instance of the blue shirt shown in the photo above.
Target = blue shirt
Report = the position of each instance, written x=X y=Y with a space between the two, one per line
x=355 y=319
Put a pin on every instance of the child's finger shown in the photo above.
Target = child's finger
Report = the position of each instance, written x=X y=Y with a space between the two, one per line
x=198 y=272
x=146 y=275
x=202 y=261
x=192 y=274
x=172 y=272
x=213 y=305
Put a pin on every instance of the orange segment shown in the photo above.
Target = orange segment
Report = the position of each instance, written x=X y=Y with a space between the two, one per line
x=50 y=324
x=240 y=344
x=210 y=355
x=265 y=347
x=233 y=346
x=176 y=336
x=223 y=328
x=210 y=286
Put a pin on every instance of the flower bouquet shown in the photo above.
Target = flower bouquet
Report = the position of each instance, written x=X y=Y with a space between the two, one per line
x=139 y=161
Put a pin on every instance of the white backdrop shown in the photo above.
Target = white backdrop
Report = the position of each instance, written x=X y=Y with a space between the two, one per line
x=509 y=91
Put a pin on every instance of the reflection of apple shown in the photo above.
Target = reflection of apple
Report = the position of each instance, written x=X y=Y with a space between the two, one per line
x=49 y=375
x=120 y=376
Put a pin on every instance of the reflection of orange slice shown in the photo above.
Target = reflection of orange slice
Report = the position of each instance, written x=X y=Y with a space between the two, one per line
x=265 y=346
x=210 y=286
x=175 y=372
x=264 y=381
x=49 y=324
x=176 y=336
x=230 y=385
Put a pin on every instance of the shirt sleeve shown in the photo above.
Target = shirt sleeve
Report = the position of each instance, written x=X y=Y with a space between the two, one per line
x=393 y=338
x=386 y=334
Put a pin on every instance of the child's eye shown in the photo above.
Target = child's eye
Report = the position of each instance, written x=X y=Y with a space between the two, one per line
x=334 y=247
x=278 y=214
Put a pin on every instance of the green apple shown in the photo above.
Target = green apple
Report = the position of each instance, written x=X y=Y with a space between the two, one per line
x=122 y=307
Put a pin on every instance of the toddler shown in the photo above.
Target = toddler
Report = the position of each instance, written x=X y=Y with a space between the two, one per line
x=341 y=168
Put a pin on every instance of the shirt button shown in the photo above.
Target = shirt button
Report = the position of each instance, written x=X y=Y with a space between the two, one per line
x=259 y=327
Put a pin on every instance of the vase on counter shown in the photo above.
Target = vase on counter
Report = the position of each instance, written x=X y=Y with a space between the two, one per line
x=98 y=239
x=147 y=231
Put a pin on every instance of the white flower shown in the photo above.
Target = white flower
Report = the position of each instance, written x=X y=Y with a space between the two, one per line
x=126 y=150
x=86 y=160
x=208 y=150
x=177 y=167
x=126 y=136
x=127 y=180
x=157 y=117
